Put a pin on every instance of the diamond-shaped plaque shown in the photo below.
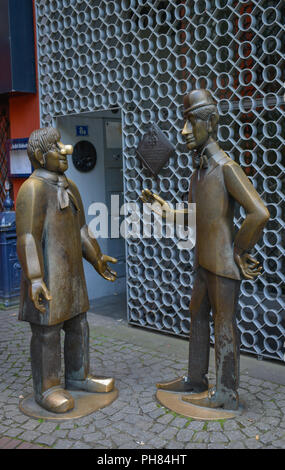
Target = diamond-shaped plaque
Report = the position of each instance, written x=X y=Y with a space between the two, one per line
x=154 y=150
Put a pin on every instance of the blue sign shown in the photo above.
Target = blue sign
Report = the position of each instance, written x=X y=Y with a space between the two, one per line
x=82 y=131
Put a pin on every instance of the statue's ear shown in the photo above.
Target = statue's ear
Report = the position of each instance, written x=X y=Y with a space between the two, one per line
x=212 y=123
x=39 y=157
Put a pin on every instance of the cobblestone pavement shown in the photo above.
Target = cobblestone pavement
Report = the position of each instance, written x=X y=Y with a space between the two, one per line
x=137 y=359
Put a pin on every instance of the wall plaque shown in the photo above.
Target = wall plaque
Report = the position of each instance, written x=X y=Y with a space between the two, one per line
x=154 y=150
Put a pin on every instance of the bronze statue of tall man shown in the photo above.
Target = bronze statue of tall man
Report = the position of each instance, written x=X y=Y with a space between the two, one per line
x=52 y=239
x=222 y=257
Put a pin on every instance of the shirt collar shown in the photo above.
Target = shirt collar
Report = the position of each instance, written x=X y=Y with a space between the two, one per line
x=50 y=176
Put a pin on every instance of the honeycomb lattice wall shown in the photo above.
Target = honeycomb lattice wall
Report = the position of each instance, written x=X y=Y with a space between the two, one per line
x=142 y=56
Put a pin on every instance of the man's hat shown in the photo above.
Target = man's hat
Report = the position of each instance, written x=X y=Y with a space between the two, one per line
x=196 y=99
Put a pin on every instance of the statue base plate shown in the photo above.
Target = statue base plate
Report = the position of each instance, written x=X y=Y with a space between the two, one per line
x=85 y=404
x=174 y=402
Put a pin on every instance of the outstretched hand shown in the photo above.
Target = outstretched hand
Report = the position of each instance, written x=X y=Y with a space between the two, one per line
x=248 y=265
x=148 y=196
x=38 y=291
x=104 y=270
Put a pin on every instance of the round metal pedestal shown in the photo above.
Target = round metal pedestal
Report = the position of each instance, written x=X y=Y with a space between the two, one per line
x=174 y=402
x=85 y=404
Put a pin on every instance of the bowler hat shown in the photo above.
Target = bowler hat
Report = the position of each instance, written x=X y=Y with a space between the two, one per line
x=197 y=99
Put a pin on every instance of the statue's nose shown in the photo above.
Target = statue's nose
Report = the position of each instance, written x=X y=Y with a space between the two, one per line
x=186 y=129
x=68 y=149
x=65 y=149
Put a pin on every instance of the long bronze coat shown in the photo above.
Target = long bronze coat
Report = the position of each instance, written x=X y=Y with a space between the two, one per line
x=50 y=247
x=215 y=191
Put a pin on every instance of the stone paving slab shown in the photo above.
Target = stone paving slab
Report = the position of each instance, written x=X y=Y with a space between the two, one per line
x=7 y=443
x=137 y=359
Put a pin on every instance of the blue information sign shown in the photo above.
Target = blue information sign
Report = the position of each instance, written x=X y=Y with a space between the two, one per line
x=81 y=131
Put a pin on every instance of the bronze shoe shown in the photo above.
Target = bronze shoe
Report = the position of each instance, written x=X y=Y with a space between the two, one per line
x=56 y=400
x=183 y=385
x=215 y=399
x=91 y=384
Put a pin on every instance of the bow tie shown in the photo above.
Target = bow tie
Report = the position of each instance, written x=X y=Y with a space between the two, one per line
x=201 y=161
x=64 y=194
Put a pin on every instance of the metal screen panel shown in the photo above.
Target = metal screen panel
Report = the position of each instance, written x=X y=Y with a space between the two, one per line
x=142 y=56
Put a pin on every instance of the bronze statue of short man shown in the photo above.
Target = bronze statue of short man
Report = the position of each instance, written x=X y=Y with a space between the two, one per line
x=52 y=238
x=222 y=256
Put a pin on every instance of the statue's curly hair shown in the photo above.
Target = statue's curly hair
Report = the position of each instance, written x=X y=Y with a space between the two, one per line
x=42 y=139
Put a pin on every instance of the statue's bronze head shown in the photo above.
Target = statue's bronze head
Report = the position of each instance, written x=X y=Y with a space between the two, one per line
x=201 y=118
x=42 y=139
x=45 y=150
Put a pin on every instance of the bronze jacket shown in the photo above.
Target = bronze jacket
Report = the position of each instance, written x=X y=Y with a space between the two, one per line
x=49 y=246
x=215 y=191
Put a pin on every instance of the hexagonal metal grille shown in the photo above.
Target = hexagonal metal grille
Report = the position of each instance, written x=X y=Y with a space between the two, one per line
x=142 y=56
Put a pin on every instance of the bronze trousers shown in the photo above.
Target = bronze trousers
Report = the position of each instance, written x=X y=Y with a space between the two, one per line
x=46 y=352
x=219 y=294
